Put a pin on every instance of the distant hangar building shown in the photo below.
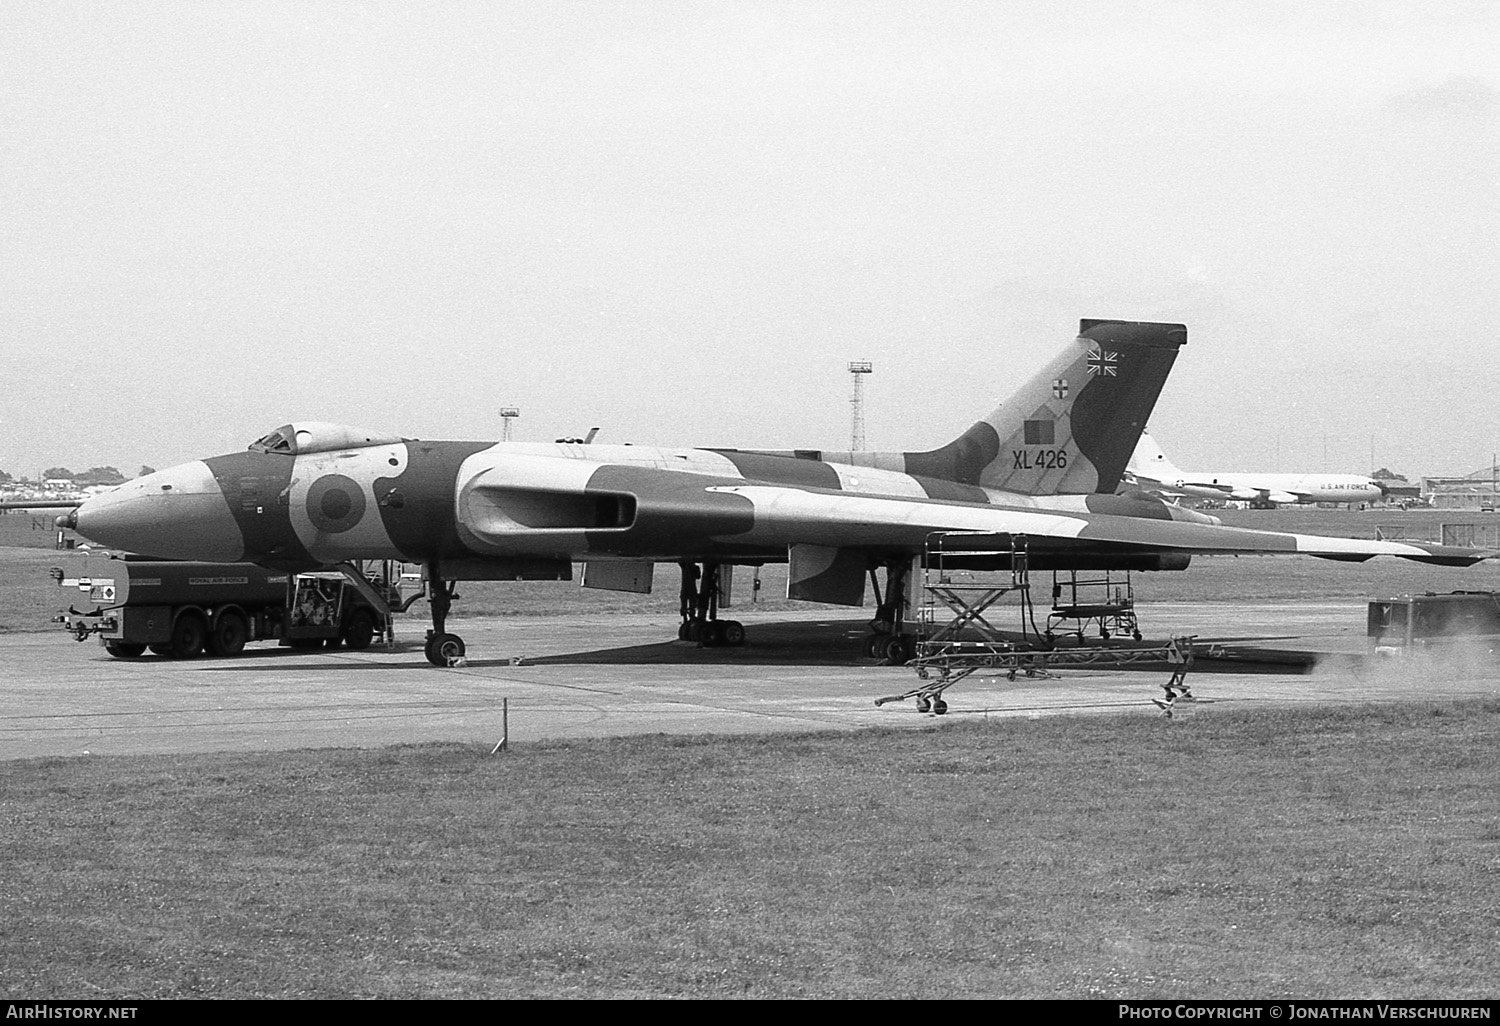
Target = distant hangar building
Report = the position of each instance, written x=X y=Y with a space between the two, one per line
x=1398 y=490
x=1474 y=491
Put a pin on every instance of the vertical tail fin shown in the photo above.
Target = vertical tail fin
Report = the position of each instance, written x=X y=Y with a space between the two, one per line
x=1150 y=463
x=1072 y=428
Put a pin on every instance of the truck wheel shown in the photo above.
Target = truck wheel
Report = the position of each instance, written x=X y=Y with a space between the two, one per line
x=229 y=636
x=188 y=636
x=360 y=632
x=893 y=651
x=123 y=649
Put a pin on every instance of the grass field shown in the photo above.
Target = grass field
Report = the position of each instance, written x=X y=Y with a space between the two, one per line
x=1339 y=853
x=1342 y=853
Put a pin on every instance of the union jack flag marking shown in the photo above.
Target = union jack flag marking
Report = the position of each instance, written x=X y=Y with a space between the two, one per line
x=1060 y=388
x=1102 y=361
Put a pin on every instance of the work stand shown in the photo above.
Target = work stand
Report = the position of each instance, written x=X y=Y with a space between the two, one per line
x=1100 y=599
x=965 y=577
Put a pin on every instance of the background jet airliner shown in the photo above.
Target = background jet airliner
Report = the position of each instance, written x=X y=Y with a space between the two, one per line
x=1044 y=465
x=1151 y=470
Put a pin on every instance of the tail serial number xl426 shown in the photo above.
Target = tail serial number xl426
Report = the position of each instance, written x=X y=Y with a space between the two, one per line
x=1044 y=464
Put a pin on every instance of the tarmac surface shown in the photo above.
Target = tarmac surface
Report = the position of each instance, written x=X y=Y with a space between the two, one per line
x=532 y=678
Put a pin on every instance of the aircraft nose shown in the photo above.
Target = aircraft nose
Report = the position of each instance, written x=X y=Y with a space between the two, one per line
x=178 y=513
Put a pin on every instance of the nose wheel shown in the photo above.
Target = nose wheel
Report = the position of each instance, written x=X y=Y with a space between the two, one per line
x=444 y=649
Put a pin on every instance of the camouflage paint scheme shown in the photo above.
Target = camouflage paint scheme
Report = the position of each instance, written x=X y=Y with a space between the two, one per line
x=1044 y=464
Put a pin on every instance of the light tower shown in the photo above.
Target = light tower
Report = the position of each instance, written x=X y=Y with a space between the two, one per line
x=859 y=368
x=508 y=415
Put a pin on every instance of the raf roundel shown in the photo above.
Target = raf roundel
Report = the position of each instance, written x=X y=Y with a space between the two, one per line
x=335 y=503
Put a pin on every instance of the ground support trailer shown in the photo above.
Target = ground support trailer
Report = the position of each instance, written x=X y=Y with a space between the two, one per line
x=184 y=609
x=960 y=576
x=1460 y=621
x=940 y=666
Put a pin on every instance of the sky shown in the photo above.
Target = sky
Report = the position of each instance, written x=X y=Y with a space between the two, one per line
x=680 y=221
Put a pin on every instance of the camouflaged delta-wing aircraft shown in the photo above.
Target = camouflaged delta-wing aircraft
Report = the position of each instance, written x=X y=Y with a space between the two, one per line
x=1043 y=465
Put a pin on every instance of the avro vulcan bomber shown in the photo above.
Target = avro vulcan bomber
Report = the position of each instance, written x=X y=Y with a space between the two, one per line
x=1044 y=465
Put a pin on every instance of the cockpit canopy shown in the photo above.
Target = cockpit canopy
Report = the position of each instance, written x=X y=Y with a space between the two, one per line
x=318 y=436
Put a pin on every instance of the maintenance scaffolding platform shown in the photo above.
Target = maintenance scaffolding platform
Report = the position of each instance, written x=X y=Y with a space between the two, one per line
x=1104 y=598
x=966 y=574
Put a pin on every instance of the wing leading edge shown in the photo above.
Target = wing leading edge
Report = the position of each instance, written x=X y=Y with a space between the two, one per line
x=869 y=521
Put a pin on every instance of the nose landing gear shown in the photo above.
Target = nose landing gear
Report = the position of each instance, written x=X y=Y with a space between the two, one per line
x=442 y=648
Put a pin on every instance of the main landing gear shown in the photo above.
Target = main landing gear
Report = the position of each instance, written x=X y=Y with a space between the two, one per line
x=889 y=640
x=442 y=649
x=700 y=609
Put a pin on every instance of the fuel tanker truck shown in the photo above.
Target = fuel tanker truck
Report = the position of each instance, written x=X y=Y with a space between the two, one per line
x=184 y=609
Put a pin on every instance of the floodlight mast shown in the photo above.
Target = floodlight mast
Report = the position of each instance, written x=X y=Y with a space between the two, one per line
x=508 y=415
x=859 y=368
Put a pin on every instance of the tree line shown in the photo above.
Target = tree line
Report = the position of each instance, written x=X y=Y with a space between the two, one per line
x=84 y=479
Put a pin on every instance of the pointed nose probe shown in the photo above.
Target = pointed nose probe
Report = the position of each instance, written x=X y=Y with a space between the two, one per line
x=180 y=513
